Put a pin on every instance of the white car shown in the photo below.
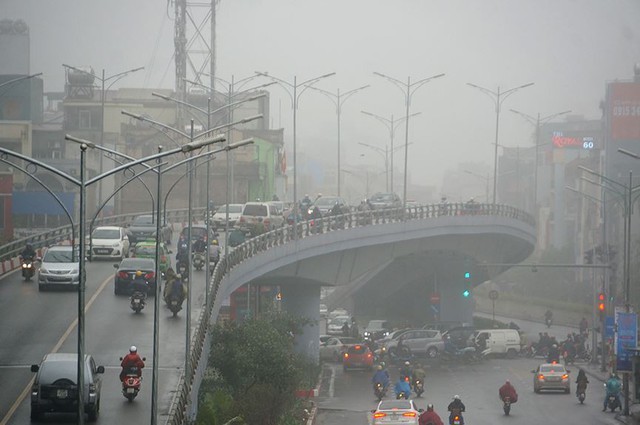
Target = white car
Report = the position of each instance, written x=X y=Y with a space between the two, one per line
x=333 y=348
x=334 y=327
x=219 y=218
x=396 y=412
x=109 y=242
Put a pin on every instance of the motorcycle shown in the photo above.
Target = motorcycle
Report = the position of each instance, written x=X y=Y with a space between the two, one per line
x=379 y=390
x=28 y=269
x=613 y=402
x=456 y=418
x=418 y=387
x=138 y=301
x=402 y=396
x=569 y=358
x=131 y=382
x=175 y=304
x=506 y=405
x=182 y=268
x=548 y=321
x=581 y=392
x=198 y=260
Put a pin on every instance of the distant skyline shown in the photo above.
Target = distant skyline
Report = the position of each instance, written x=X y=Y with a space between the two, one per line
x=568 y=48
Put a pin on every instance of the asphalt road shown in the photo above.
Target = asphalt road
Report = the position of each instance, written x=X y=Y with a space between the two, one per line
x=346 y=398
x=34 y=323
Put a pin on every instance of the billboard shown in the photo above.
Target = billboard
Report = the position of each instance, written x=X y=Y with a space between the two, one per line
x=626 y=341
x=624 y=111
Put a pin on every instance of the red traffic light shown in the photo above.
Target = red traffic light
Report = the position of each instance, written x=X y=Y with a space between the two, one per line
x=601 y=302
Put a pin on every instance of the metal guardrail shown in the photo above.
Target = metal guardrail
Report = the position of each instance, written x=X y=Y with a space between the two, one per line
x=179 y=411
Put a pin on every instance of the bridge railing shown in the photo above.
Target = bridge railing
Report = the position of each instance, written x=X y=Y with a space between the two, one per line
x=184 y=404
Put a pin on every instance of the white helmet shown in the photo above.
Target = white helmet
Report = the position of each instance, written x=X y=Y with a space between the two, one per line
x=133 y=349
x=456 y=397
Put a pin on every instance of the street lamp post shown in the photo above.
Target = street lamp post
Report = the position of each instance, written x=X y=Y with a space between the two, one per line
x=537 y=122
x=391 y=125
x=338 y=100
x=498 y=97
x=408 y=90
x=17 y=80
x=103 y=80
x=295 y=96
x=385 y=155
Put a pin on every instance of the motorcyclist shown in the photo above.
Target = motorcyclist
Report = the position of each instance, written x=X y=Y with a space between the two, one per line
x=28 y=253
x=174 y=286
x=139 y=284
x=199 y=246
x=613 y=386
x=548 y=316
x=402 y=386
x=355 y=331
x=345 y=329
x=456 y=407
x=405 y=370
x=418 y=374
x=182 y=254
x=214 y=251
x=508 y=390
x=429 y=417
x=582 y=382
x=131 y=360
x=584 y=325
x=381 y=376
x=554 y=354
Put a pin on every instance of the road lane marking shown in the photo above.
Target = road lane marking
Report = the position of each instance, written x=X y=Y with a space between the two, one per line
x=56 y=347
x=331 y=382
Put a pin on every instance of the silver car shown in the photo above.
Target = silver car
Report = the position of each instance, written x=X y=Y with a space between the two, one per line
x=60 y=267
x=421 y=342
x=551 y=376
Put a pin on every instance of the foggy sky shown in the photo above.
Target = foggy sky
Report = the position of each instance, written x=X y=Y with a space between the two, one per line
x=568 y=48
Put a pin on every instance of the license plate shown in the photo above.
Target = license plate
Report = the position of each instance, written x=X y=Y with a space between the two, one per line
x=102 y=251
x=131 y=390
x=62 y=393
x=136 y=301
x=174 y=302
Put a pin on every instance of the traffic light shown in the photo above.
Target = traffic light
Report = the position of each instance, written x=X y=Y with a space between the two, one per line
x=466 y=291
x=601 y=304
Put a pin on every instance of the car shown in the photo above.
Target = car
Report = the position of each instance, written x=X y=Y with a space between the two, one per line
x=147 y=249
x=551 y=376
x=421 y=342
x=338 y=312
x=219 y=218
x=109 y=242
x=459 y=335
x=198 y=231
x=144 y=227
x=259 y=217
x=376 y=329
x=444 y=325
x=59 y=268
x=357 y=356
x=131 y=269
x=54 y=387
x=326 y=203
x=396 y=412
x=385 y=200
x=334 y=326
x=334 y=347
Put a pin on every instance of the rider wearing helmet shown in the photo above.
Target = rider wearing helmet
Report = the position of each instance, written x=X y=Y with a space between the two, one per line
x=381 y=376
x=28 y=253
x=456 y=407
x=131 y=360
x=406 y=370
x=613 y=387
x=429 y=417
x=402 y=387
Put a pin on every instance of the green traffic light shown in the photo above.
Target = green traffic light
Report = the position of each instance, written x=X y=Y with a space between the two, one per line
x=467 y=275
x=466 y=293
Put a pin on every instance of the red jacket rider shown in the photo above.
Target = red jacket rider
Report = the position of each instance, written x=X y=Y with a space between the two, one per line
x=430 y=417
x=507 y=390
x=131 y=360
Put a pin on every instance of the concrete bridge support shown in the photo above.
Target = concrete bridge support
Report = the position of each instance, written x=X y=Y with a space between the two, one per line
x=304 y=300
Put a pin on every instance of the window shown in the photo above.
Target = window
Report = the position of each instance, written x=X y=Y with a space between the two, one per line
x=84 y=119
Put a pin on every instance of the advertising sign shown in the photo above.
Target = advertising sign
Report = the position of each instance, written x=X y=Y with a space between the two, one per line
x=626 y=339
x=624 y=110
x=609 y=327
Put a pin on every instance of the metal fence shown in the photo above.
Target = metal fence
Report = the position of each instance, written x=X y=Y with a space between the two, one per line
x=184 y=404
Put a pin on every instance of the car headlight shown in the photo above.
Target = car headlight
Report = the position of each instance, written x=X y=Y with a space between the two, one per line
x=116 y=244
x=75 y=271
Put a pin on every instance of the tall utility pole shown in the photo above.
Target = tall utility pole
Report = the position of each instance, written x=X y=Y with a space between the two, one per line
x=180 y=42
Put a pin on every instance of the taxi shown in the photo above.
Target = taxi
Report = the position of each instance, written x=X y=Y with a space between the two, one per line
x=147 y=249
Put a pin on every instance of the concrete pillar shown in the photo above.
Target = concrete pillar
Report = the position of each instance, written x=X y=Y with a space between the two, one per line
x=454 y=306
x=304 y=300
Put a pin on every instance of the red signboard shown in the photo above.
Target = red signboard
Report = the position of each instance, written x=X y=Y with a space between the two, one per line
x=624 y=111
x=435 y=298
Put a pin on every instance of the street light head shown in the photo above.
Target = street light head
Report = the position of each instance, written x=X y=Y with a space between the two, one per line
x=132 y=115
x=239 y=144
x=629 y=153
x=82 y=142
x=197 y=144
x=161 y=96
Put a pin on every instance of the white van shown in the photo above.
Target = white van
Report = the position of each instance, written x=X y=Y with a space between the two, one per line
x=500 y=341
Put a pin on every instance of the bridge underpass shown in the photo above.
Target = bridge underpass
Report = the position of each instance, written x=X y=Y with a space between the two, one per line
x=384 y=269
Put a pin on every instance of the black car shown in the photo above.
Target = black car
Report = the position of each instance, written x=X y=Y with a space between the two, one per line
x=459 y=335
x=144 y=227
x=131 y=269
x=55 y=386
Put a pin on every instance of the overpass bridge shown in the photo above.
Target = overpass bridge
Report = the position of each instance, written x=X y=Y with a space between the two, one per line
x=384 y=255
